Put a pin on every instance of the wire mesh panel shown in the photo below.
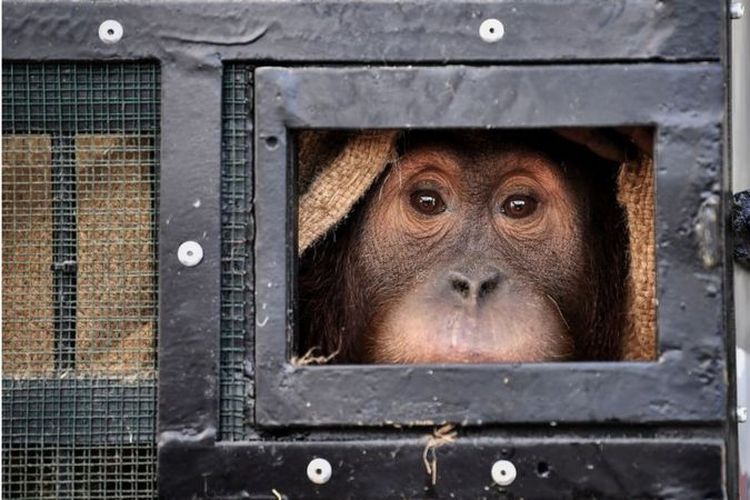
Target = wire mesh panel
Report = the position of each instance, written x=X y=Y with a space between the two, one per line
x=80 y=152
x=236 y=224
x=28 y=305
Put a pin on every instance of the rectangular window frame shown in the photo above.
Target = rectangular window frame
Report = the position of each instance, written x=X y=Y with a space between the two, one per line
x=685 y=106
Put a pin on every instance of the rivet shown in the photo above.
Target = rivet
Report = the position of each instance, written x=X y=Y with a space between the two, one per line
x=737 y=10
x=503 y=472
x=319 y=470
x=190 y=254
x=110 y=31
x=491 y=30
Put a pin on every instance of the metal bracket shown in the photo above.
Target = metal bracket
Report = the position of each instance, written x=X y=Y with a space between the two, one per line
x=65 y=267
x=741 y=228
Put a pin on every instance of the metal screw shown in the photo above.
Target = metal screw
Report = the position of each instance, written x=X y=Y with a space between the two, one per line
x=503 y=472
x=737 y=10
x=190 y=254
x=319 y=470
x=742 y=414
x=491 y=30
x=110 y=31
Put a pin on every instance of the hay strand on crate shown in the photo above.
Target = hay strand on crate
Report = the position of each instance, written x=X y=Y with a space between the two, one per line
x=440 y=437
x=310 y=358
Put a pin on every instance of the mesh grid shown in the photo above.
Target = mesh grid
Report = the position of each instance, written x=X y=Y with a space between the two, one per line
x=236 y=224
x=80 y=151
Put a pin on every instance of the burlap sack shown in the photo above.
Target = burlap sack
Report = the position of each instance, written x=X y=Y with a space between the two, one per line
x=332 y=179
x=116 y=288
x=636 y=195
x=116 y=266
x=332 y=182
x=28 y=313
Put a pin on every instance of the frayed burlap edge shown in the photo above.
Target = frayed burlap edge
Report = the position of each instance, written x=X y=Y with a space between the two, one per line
x=337 y=187
x=636 y=195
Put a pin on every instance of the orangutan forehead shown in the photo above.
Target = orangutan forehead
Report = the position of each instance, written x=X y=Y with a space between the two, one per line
x=501 y=156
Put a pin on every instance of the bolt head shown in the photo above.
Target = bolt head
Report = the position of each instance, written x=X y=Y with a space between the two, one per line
x=737 y=10
x=110 y=31
x=319 y=470
x=742 y=414
x=491 y=30
x=190 y=253
x=503 y=472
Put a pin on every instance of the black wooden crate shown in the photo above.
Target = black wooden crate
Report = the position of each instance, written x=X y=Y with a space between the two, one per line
x=236 y=419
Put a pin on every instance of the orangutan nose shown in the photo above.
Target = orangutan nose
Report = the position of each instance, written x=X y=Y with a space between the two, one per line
x=474 y=286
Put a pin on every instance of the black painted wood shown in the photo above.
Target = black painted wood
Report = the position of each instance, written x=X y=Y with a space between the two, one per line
x=369 y=31
x=394 y=468
x=189 y=209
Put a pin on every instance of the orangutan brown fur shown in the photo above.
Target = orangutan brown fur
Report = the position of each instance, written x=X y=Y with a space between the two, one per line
x=484 y=246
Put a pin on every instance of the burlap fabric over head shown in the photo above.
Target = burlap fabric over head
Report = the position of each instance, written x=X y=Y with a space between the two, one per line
x=336 y=170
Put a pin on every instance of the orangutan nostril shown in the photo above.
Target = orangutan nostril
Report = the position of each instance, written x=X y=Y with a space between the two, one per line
x=460 y=286
x=489 y=285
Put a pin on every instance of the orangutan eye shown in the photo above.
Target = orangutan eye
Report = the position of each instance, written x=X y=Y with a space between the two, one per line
x=427 y=202
x=518 y=206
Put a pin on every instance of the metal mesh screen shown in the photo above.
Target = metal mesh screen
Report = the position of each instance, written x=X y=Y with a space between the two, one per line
x=236 y=297
x=79 y=173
